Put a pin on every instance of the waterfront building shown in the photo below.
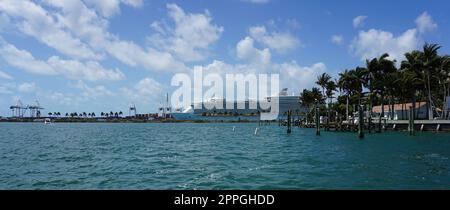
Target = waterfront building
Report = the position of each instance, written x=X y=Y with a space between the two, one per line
x=400 y=111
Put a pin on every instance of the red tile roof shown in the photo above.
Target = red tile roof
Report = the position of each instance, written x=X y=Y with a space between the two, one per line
x=398 y=107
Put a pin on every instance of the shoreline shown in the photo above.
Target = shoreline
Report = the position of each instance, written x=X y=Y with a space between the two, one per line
x=120 y=120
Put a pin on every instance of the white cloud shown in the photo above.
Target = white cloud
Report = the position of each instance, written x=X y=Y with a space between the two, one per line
x=23 y=59
x=373 y=43
x=7 y=88
x=296 y=77
x=145 y=91
x=89 y=70
x=337 y=39
x=4 y=75
x=72 y=69
x=70 y=100
x=191 y=36
x=27 y=87
x=95 y=92
x=279 y=41
x=133 y=55
x=93 y=29
x=292 y=75
x=79 y=32
x=245 y=49
x=359 y=21
x=111 y=7
x=425 y=23
x=4 y=21
x=35 y=21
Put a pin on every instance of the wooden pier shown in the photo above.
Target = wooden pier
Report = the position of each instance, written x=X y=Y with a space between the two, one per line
x=386 y=125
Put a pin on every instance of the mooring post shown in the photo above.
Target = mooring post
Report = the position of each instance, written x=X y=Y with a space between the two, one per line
x=328 y=120
x=411 y=121
x=360 y=122
x=369 y=118
x=289 y=122
x=317 y=121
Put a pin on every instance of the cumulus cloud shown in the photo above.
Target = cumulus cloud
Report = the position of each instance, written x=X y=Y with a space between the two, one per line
x=191 y=36
x=7 y=88
x=112 y=7
x=359 y=21
x=38 y=23
x=298 y=77
x=292 y=75
x=4 y=75
x=245 y=49
x=278 y=41
x=72 y=69
x=337 y=39
x=94 y=92
x=425 y=23
x=79 y=32
x=145 y=91
x=23 y=59
x=373 y=43
x=90 y=70
x=27 y=87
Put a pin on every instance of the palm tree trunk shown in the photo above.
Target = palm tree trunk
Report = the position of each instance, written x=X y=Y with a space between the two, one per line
x=430 y=108
x=443 y=104
x=393 y=107
x=346 y=110
x=382 y=113
x=414 y=105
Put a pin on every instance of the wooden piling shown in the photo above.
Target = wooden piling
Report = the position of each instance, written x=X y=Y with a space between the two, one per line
x=360 y=122
x=317 y=121
x=289 y=122
x=411 y=121
x=370 y=119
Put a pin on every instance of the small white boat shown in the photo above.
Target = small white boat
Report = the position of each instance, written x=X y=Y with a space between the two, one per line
x=47 y=121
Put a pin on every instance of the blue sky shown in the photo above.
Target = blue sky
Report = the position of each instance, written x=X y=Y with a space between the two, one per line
x=92 y=55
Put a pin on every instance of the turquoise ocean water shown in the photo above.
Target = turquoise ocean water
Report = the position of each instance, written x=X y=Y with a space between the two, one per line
x=212 y=156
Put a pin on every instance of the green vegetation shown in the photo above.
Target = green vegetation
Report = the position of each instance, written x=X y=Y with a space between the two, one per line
x=424 y=75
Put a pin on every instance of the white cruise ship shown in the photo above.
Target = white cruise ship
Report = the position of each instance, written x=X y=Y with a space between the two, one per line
x=286 y=103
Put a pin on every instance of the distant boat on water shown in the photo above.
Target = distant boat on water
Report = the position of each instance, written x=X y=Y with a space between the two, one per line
x=47 y=121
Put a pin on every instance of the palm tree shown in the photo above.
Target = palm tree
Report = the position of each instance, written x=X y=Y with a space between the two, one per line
x=344 y=84
x=378 y=71
x=322 y=81
x=413 y=66
x=331 y=88
x=308 y=98
x=430 y=59
x=358 y=76
x=444 y=80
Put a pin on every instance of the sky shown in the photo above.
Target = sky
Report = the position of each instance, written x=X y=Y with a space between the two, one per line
x=94 y=55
